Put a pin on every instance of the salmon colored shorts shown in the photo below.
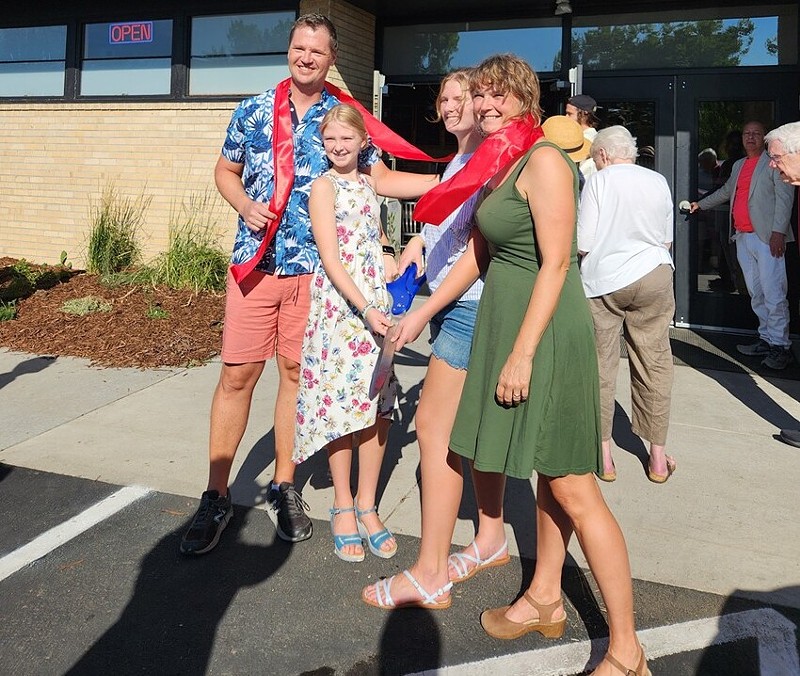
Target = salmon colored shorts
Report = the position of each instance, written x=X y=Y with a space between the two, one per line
x=264 y=315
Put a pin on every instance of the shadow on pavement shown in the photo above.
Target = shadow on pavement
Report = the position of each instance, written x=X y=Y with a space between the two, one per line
x=170 y=623
x=766 y=645
x=32 y=365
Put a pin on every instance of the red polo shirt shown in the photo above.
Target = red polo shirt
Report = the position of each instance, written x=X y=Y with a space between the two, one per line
x=741 y=211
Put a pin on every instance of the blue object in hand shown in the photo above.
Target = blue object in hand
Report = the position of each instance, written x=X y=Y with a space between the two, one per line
x=404 y=288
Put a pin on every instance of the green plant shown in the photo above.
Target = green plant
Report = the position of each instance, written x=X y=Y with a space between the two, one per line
x=7 y=311
x=62 y=261
x=194 y=259
x=155 y=311
x=85 y=306
x=113 y=242
x=24 y=269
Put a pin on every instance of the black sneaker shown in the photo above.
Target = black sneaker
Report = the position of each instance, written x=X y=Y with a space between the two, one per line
x=778 y=358
x=293 y=524
x=760 y=348
x=210 y=520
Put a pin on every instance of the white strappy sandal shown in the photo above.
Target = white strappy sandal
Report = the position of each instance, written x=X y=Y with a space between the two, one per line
x=383 y=597
x=460 y=562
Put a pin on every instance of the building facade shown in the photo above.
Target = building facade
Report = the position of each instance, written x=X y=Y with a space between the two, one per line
x=97 y=95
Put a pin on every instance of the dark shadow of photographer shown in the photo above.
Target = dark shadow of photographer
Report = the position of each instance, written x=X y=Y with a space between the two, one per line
x=26 y=367
x=755 y=637
x=171 y=621
x=410 y=643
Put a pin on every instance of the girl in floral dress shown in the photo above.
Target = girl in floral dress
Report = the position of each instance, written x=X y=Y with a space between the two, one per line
x=346 y=325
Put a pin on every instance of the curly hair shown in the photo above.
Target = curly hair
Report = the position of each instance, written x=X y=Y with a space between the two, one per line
x=509 y=74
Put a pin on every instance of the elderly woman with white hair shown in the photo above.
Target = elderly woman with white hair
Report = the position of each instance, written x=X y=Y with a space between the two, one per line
x=625 y=235
x=783 y=146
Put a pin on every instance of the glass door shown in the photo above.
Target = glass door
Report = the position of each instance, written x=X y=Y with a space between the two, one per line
x=693 y=126
x=710 y=113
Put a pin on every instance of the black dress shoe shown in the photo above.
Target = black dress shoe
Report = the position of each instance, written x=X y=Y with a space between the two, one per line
x=791 y=437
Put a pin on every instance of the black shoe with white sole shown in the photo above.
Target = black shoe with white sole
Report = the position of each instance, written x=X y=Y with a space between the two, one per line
x=293 y=523
x=210 y=520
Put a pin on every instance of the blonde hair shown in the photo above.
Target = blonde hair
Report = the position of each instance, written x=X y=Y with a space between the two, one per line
x=461 y=76
x=508 y=74
x=345 y=114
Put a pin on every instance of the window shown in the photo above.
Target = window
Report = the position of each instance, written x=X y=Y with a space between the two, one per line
x=707 y=38
x=127 y=58
x=32 y=61
x=435 y=49
x=238 y=54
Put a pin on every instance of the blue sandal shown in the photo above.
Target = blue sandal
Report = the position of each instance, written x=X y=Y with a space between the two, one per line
x=375 y=541
x=341 y=541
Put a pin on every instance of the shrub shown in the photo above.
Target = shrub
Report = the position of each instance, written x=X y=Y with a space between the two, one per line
x=7 y=311
x=85 y=306
x=113 y=242
x=194 y=259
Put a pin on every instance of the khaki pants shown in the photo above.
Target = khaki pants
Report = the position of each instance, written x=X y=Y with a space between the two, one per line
x=643 y=311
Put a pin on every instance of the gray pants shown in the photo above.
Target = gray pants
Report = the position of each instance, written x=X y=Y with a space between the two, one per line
x=643 y=311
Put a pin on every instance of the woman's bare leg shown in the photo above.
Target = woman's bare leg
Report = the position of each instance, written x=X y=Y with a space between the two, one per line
x=371 y=447
x=442 y=481
x=575 y=502
x=491 y=536
x=340 y=456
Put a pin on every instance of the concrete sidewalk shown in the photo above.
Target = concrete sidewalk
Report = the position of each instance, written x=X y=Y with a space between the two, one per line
x=725 y=523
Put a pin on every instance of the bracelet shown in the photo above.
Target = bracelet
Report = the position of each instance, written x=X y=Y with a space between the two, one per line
x=369 y=306
x=388 y=249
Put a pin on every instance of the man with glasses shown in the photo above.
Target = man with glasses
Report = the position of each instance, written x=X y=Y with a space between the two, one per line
x=760 y=210
x=784 y=158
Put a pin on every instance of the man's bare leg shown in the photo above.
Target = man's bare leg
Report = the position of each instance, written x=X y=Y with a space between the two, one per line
x=230 y=409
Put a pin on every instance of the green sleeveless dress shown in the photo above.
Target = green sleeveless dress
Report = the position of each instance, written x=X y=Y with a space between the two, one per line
x=557 y=430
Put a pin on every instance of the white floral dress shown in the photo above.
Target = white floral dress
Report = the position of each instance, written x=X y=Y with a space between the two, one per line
x=339 y=351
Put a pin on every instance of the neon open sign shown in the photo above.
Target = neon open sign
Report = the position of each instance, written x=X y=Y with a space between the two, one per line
x=132 y=32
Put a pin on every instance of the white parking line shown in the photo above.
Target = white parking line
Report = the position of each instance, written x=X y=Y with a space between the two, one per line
x=55 y=537
x=777 y=647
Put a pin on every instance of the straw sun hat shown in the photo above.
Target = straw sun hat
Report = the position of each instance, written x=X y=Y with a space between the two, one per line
x=567 y=135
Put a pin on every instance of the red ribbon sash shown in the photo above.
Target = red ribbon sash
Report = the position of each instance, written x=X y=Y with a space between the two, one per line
x=283 y=160
x=495 y=153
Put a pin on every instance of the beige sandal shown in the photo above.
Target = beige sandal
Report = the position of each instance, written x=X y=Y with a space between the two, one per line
x=641 y=667
x=497 y=625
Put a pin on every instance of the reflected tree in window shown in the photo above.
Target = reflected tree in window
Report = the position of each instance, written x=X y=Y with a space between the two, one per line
x=432 y=53
x=246 y=37
x=681 y=44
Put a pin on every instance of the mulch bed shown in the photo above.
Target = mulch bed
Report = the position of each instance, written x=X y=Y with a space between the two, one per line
x=189 y=334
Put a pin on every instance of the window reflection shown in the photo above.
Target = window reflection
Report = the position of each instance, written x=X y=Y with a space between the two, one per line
x=32 y=61
x=435 y=49
x=238 y=54
x=719 y=38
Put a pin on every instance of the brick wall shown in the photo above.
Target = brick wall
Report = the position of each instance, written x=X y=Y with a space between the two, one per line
x=58 y=158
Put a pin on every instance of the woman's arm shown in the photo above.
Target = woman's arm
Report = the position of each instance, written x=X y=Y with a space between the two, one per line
x=321 y=208
x=546 y=182
x=462 y=275
x=400 y=184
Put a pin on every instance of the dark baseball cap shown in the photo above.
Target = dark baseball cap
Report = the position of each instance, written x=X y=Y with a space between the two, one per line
x=584 y=102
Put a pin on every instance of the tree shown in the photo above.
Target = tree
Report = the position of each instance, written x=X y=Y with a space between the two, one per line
x=432 y=53
x=679 y=44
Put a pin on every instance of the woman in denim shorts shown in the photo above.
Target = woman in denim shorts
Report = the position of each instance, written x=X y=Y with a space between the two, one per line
x=428 y=582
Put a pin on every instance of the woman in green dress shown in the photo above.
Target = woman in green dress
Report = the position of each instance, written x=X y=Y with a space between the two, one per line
x=531 y=400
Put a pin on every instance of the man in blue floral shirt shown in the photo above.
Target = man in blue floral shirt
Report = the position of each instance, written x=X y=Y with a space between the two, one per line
x=266 y=313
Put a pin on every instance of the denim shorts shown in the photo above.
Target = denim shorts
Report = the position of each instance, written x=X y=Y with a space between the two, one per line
x=451 y=333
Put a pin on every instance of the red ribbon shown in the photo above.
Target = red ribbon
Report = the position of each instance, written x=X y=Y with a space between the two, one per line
x=283 y=160
x=495 y=153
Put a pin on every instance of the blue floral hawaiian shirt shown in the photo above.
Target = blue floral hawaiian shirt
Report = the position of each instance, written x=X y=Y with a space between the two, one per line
x=249 y=142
